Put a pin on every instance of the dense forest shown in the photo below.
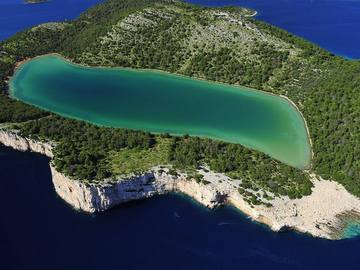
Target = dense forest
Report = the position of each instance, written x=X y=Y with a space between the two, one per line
x=82 y=152
x=82 y=148
x=204 y=43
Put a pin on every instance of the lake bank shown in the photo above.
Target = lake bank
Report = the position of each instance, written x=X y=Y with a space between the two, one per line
x=248 y=112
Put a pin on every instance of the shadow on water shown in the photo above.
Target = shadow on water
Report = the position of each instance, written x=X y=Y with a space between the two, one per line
x=39 y=231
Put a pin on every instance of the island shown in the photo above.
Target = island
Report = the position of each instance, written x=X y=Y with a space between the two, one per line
x=100 y=159
x=35 y=1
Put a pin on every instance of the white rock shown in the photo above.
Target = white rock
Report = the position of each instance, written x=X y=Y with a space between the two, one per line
x=319 y=214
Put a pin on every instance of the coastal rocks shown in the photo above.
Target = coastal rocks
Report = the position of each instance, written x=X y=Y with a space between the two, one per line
x=325 y=213
x=207 y=195
x=320 y=214
x=96 y=198
x=11 y=139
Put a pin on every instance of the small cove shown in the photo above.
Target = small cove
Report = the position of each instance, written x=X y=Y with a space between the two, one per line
x=164 y=103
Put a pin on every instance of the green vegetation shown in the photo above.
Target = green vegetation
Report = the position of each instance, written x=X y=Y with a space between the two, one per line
x=257 y=171
x=90 y=153
x=129 y=161
x=82 y=149
x=27 y=44
x=211 y=43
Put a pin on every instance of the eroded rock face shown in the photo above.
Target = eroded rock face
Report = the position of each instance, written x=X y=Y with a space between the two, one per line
x=208 y=195
x=96 y=198
x=11 y=139
x=324 y=213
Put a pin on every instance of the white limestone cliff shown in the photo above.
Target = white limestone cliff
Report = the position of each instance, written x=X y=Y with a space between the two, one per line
x=321 y=214
x=12 y=139
x=96 y=198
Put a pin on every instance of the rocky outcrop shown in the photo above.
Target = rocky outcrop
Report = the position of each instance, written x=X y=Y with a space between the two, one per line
x=324 y=213
x=12 y=139
x=100 y=197
x=207 y=195
x=96 y=198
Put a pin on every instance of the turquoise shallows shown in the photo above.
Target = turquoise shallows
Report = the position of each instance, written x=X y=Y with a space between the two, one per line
x=160 y=102
x=351 y=230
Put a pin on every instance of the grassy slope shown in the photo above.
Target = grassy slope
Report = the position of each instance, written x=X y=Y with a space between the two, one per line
x=222 y=45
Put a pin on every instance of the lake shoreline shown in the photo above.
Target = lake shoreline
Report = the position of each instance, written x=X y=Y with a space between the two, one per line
x=246 y=91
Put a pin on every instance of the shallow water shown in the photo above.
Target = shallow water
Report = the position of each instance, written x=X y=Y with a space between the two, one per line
x=160 y=102
x=352 y=230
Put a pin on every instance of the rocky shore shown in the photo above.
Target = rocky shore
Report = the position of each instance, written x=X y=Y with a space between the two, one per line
x=12 y=139
x=322 y=214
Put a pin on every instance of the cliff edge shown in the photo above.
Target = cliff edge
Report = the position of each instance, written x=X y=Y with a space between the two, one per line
x=323 y=214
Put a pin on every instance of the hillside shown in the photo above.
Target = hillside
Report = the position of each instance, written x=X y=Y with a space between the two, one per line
x=219 y=44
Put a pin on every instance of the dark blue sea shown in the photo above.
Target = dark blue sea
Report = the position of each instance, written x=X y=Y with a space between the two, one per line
x=16 y=16
x=39 y=231
x=332 y=24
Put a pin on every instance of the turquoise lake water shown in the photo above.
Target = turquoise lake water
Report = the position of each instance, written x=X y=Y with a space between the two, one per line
x=160 y=102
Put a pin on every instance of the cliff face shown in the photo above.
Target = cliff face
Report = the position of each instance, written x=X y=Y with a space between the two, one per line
x=96 y=198
x=316 y=214
x=11 y=139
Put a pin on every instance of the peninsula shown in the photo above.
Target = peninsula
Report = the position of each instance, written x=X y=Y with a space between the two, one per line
x=95 y=167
